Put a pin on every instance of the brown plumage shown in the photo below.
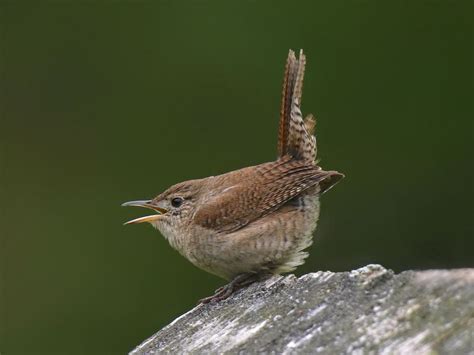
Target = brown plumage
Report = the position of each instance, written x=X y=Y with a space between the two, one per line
x=273 y=184
x=256 y=220
x=295 y=136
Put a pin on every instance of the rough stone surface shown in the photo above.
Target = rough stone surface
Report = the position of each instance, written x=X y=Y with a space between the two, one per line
x=366 y=311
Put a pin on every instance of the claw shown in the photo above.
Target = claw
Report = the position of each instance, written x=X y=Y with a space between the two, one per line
x=224 y=292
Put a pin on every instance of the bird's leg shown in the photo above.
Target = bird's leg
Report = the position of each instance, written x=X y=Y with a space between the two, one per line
x=237 y=283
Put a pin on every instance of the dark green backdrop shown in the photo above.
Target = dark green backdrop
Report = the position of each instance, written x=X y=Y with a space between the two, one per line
x=102 y=104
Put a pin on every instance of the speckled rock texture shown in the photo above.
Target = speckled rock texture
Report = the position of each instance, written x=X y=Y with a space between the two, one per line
x=366 y=311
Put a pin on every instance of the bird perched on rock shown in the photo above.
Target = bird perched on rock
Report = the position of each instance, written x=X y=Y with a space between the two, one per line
x=254 y=221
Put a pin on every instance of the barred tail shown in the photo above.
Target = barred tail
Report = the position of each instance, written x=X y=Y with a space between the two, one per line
x=294 y=136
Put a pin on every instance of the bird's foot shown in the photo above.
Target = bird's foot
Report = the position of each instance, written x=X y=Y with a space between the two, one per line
x=224 y=292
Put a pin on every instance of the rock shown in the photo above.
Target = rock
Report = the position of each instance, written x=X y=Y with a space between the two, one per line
x=366 y=311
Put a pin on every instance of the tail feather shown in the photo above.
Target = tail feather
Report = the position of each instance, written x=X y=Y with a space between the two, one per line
x=310 y=123
x=295 y=137
x=286 y=101
x=298 y=84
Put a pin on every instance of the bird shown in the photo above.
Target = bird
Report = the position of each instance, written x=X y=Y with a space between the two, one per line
x=248 y=224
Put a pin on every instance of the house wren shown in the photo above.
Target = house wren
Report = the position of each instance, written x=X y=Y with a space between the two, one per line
x=255 y=221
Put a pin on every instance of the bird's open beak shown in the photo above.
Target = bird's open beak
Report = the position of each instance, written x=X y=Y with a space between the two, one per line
x=145 y=204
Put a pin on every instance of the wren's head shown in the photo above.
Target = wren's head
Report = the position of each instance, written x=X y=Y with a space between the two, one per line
x=174 y=208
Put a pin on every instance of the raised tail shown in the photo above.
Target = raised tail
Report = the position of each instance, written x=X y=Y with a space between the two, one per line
x=295 y=135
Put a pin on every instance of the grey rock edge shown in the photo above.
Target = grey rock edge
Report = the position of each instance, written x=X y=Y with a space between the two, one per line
x=366 y=311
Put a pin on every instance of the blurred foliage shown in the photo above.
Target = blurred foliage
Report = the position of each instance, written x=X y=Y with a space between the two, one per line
x=103 y=103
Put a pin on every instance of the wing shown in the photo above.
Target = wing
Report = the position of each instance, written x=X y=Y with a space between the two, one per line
x=295 y=134
x=272 y=185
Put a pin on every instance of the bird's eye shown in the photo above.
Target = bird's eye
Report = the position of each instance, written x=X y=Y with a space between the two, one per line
x=176 y=202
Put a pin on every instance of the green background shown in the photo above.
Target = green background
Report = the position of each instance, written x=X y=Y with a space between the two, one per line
x=110 y=102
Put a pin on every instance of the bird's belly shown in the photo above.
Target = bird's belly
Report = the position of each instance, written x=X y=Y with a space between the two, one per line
x=273 y=243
